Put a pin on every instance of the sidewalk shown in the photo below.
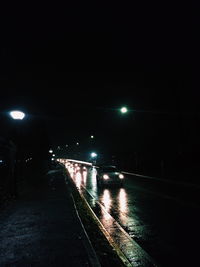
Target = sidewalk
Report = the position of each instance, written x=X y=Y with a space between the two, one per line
x=42 y=227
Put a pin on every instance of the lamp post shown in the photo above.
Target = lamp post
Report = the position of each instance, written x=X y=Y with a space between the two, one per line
x=17 y=116
x=94 y=157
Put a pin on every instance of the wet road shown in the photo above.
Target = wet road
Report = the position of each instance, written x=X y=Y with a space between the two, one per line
x=152 y=221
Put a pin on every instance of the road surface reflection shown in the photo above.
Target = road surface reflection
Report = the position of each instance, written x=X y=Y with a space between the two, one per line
x=123 y=206
x=109 y=197
x=111 y=207
x=154 y=214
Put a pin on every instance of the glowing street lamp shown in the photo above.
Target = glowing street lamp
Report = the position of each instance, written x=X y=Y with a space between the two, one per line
x=17 y=115
x=92 y=136
x=93 y=155
x=124 y=110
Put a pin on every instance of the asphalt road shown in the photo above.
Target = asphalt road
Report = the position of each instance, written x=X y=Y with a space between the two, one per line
x=159 y=218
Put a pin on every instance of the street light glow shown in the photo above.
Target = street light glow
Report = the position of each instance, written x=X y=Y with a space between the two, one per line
x=17 y=115
x=93 y=155
x=124 y=110
x=92 y=136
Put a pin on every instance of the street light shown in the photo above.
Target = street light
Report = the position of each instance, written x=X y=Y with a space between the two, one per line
x=93 y=155
x=124 y=110
x=17 y=115
x=92 y=136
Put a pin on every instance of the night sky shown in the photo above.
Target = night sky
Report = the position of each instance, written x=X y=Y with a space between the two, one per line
x=76 y=65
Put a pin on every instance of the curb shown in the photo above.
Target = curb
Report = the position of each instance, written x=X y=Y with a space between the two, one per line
x=93 y=259
x=88 y=245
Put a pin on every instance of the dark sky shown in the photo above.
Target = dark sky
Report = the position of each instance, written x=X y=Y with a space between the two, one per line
x=75 y=65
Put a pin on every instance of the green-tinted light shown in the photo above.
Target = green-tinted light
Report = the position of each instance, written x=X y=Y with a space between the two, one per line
x=93 y=155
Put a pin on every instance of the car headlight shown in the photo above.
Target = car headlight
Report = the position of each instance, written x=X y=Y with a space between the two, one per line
x=121 y=176
x=105 y=177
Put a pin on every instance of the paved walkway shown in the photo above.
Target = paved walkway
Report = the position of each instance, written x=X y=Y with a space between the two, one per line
x=42 y=227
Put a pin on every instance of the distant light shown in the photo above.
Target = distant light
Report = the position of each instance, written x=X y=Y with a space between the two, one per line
x=121 y=176
x=77 y=144
x=92 y=136
x=51 y=151
x=17 y=115
x=52 y=158
x=105 y=177
x=124 y=110
x=93 y=155
x=53 y=155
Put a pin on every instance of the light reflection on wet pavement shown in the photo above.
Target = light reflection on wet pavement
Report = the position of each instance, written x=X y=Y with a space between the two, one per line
x=102 y=201
x=132 y=216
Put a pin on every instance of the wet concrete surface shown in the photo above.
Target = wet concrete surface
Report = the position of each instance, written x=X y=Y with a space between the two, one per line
x=162 y=219
x=42 y=228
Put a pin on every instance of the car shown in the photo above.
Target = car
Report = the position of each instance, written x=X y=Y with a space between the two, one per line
x=109 y=175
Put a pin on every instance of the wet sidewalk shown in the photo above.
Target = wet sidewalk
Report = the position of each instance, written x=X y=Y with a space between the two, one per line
x=42 y=227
